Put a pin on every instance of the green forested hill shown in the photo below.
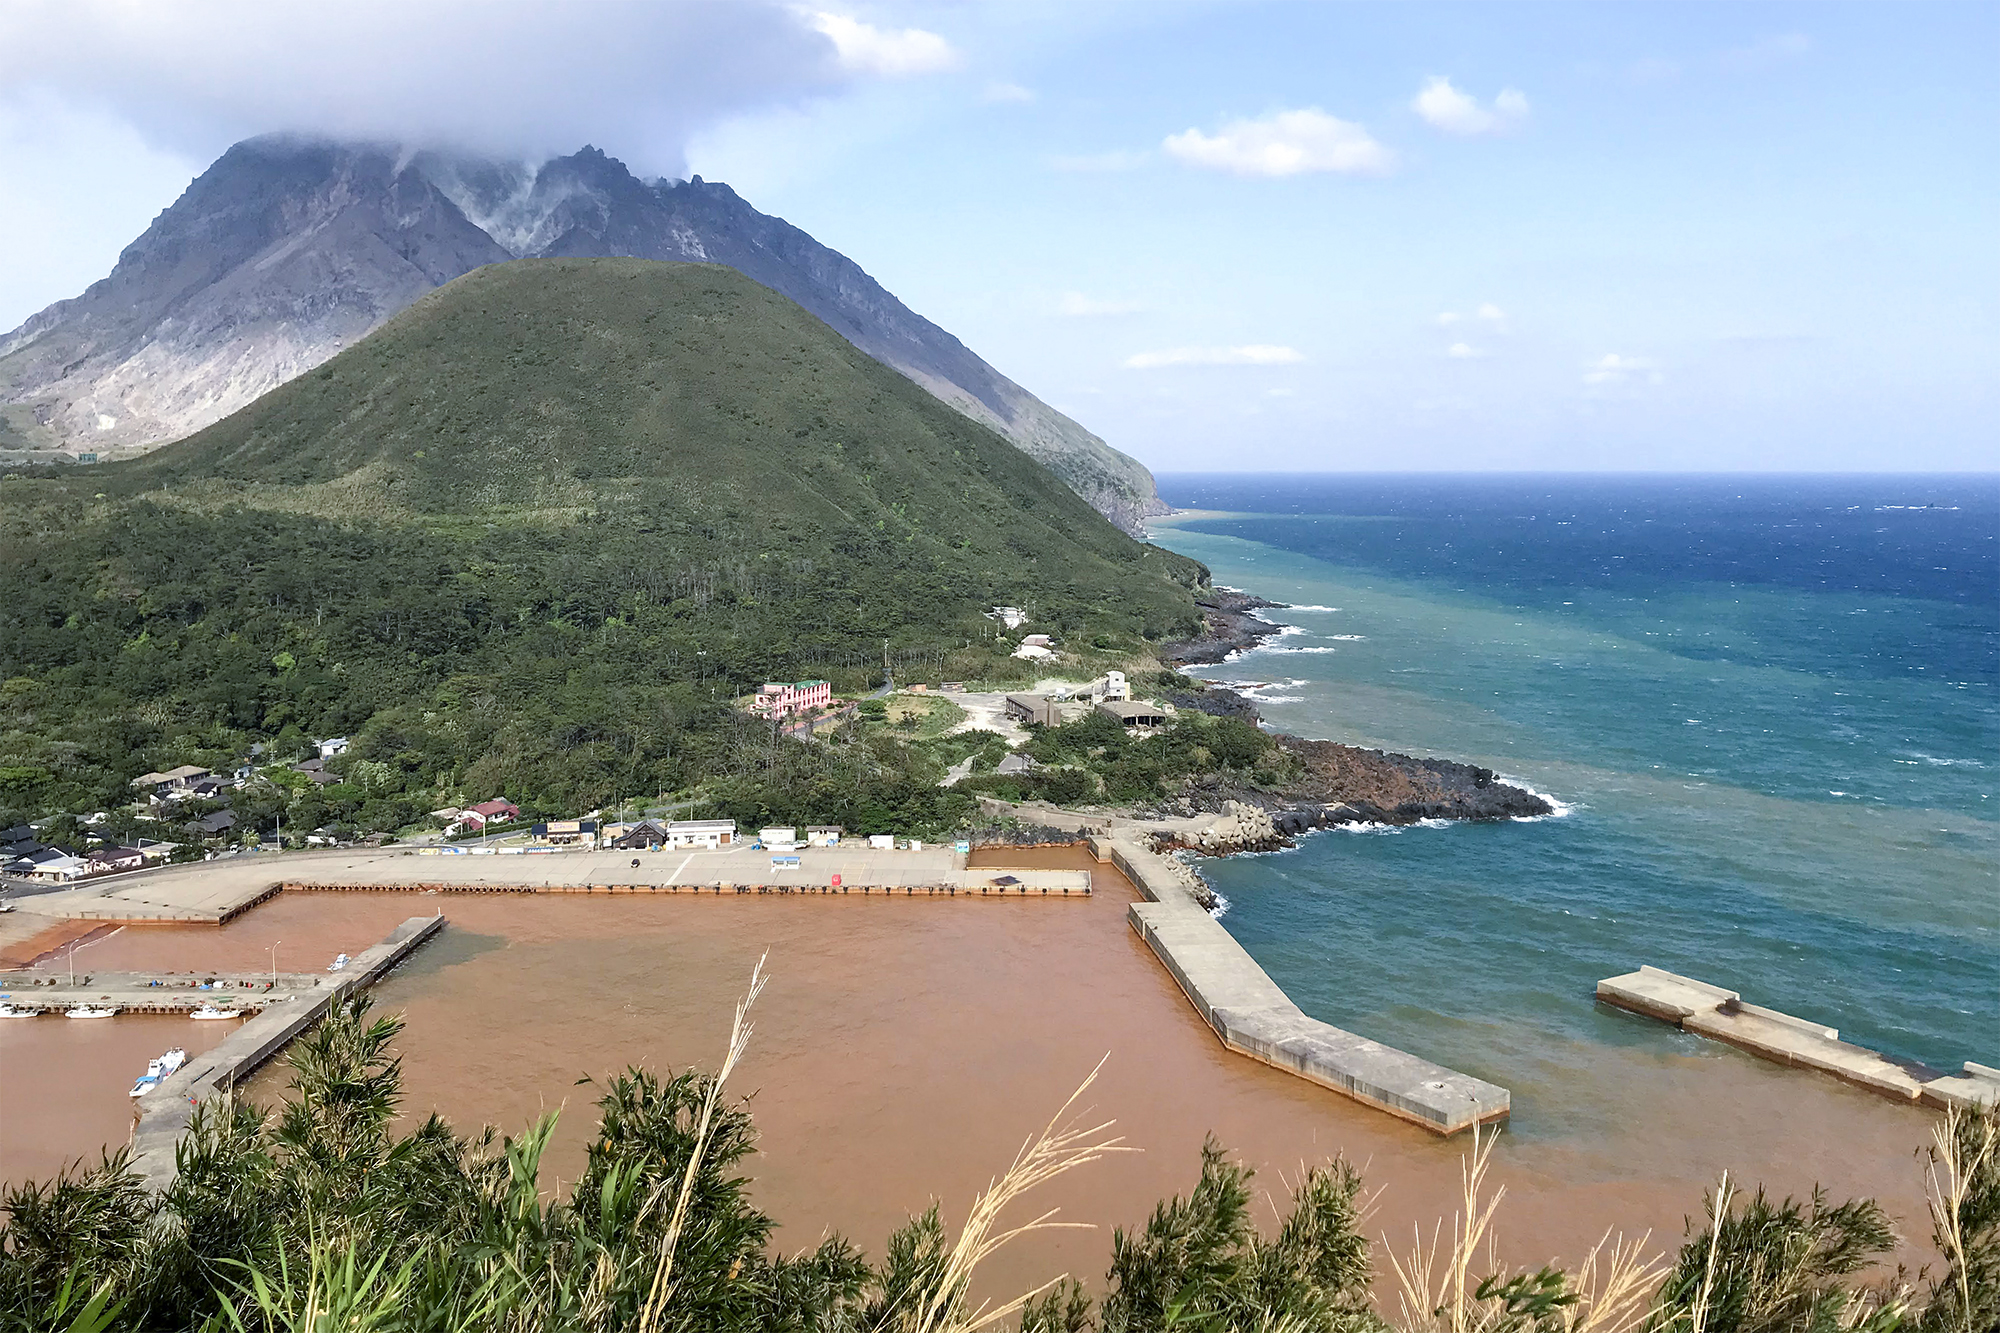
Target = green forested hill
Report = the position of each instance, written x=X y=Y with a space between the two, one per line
x=523 y=538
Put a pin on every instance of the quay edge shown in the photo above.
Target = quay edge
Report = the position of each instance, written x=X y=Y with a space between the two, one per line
x=1252 y=1015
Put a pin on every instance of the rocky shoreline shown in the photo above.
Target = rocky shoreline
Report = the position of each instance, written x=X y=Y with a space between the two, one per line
x=1227 y=627
x=1336 y=785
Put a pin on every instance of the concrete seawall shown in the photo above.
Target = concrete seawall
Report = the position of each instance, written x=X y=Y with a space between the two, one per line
x=166 y=1112
x=1252 y=1015
x=1721 y=1015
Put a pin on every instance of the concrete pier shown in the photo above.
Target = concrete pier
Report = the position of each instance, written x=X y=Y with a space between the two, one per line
x=1710 y=1011
x=1251 y=1014
x=213 y=892
x=166 y=1111
x=157 y=992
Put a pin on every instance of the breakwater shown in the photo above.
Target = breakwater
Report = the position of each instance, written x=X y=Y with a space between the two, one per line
x=166 y=1112
x=1721 y=1015
x=970 y=884
x=1252 y=1015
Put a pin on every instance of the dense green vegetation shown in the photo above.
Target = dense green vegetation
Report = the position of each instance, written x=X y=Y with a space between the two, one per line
x=322 y=1219
x=1095 y=759
x=528 y=539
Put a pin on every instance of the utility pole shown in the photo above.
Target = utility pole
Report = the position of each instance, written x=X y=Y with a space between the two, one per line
x=888 y=679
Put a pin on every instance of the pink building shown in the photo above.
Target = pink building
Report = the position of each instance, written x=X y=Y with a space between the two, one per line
x=784 y=698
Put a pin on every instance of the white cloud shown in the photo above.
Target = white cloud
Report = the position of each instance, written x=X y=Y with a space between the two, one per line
x=1490 y=312
x=1456 y=112
x=527 y=77
x=1464 y=352
x=1001 y=91
x=1256 y=354
x=892 y=53
x=1611 y=368
x=1078 y=306
x=1285 y=143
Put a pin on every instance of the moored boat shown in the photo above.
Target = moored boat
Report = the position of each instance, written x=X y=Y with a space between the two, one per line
x=208 y=1011
x=17 y=1011
x=91 y=1011
x=338 y=963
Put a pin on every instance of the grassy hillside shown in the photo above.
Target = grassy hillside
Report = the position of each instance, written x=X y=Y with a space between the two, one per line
x=524 y=538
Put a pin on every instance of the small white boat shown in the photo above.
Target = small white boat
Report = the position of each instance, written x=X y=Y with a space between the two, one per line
x=157 y=1070
x=338 y=963
x=16 y=1011
x=91 y=1011
x=208 y=1011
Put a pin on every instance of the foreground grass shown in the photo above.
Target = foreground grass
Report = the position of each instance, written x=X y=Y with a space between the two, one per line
x=318 y=1219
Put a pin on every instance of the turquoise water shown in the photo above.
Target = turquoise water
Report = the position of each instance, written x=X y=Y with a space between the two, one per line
x=1770 y=708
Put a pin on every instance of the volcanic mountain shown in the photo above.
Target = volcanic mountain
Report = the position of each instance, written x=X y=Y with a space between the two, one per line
x=532 y=534
x=287 y=250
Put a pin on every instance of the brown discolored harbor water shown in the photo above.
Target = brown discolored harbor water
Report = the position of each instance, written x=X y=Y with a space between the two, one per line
x=905 y=1048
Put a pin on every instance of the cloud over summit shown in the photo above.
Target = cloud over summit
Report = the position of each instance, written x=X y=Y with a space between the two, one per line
x=520 y=77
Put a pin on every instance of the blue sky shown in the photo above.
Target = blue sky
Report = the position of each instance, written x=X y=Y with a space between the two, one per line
x=1332 y=236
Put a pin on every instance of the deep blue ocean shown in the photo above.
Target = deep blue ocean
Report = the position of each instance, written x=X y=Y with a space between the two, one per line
x=1770 y=707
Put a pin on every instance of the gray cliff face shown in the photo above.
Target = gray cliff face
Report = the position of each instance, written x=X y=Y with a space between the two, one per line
x=285 y=251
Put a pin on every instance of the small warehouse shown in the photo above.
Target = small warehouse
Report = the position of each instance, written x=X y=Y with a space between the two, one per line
x=1135 y=717
x=1035 y=709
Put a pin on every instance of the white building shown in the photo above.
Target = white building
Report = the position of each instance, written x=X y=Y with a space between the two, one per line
x=778 y=839
x=331 y=746
x=710 y=833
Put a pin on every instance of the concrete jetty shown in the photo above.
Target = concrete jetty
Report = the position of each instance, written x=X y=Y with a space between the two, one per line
x=157 y=992
x=213 y=892
x=166 y=1111
x=1710 y=1011
x=1251 y=1014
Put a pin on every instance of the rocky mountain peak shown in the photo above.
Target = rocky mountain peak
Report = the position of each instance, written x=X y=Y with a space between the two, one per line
x=289 y=248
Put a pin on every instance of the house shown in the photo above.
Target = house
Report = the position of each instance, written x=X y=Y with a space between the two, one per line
x=779 y=839
x=51 y=865
x=646 y=835
x=823 y=835
x=1112 y=688
x=565 y=831
x=784 y=698
x=709 y=833
x=154 y=852
x=499 y=810
x=1035 y=709
x=332 y=746
x=215 y=825
x=316 y=770
x=1038 y=641
x=207 y=789
x=108 y=860
x=173 y=783
x=1135 y=717
x=1014 y=765
x=1033 y=650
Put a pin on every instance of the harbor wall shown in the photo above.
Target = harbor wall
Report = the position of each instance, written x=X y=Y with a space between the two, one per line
x=1721 y=1015
x=166 y=1112
x=1252 y=1015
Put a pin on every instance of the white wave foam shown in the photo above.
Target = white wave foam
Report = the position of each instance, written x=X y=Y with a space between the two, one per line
x=1313 y=608
x=1286 y=631
x=1921 y=757
x=1221 y=908
x=1558 y=808
x=1302 y=650
x=1347 y=638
